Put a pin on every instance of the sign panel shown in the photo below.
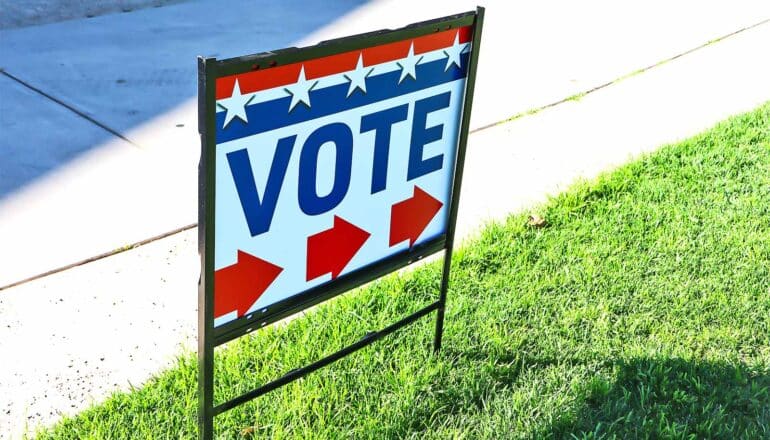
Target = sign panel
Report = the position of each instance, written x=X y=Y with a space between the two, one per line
x=323 y=168
x=327 y=166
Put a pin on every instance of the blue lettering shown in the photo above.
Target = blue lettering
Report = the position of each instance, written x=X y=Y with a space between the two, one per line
x=259 y=214
x=309 y=200
x=422 y=135
x=381 y=123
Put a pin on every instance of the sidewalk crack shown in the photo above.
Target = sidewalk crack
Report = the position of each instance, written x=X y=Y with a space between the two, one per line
x=68 y=107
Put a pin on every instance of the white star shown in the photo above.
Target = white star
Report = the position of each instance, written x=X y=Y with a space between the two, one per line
x=300 y=91
x=358 y=77
x=235 y=105
x=453 y=52
x=410 y=63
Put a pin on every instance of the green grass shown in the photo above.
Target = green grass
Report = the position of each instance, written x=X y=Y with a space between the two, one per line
x=641 y=311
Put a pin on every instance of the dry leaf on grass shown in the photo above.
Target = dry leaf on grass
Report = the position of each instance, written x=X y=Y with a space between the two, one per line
x=536 y=221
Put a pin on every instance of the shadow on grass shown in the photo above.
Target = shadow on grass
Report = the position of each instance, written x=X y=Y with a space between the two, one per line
x=674 y=398
x=647 y=398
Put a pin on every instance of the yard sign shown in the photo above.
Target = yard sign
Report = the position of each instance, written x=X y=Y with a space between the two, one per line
x=323 y=168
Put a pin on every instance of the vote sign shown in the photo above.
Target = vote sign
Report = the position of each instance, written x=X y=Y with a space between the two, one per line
x=330 y=168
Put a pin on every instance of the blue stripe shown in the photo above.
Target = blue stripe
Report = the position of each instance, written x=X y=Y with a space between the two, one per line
x=266 y=116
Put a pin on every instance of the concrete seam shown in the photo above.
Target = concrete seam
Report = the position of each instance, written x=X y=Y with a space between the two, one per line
x=100 y=256
x=616 y=80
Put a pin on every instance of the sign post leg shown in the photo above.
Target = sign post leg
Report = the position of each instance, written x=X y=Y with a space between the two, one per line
x=206 y=177
x=442 y=301
x=466 y=120
x=206 y=394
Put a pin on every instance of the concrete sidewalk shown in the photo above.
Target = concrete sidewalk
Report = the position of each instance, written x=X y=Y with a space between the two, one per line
x=108 y=189
x=89 y=189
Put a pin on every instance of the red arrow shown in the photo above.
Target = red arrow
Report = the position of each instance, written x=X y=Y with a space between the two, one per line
x=408 y=218
x=331 y=250
x=238 y=286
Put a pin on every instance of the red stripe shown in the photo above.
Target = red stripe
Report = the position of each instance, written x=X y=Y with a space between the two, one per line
x=386 y=52
x=283 y=75
x=329 y=65
x=440 y=40
x=259 y=80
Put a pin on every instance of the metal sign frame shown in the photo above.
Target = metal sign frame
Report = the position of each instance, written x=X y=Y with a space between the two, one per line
x=209 y=69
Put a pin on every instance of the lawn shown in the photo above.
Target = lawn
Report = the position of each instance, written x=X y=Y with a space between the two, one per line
x=642 y=310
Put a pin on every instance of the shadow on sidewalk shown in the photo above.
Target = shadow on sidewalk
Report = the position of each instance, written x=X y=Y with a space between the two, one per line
x=92 y=80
